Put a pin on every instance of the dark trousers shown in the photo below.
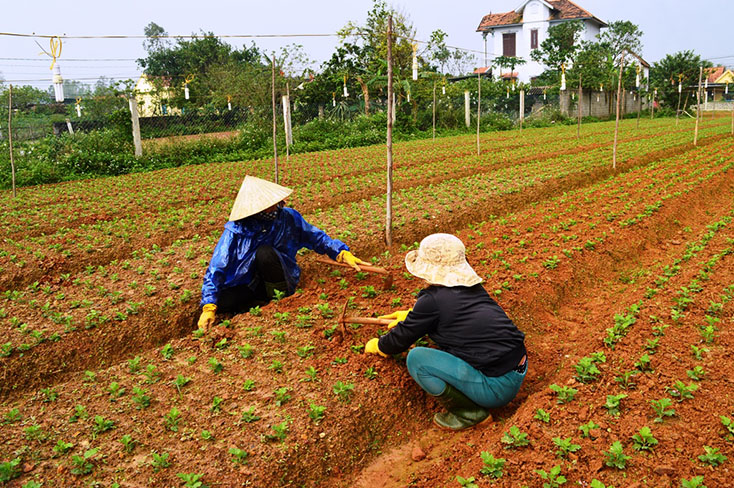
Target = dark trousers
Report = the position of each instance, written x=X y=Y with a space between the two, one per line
x=267 y=268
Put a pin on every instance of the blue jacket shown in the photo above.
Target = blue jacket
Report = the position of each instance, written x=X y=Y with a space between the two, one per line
x=231 y=263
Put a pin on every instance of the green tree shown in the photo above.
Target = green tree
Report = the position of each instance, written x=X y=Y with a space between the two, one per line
x=665 y=74
x=561 y=45
x=622 y=36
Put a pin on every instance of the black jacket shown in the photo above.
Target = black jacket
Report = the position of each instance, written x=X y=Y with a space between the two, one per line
x=463 y=321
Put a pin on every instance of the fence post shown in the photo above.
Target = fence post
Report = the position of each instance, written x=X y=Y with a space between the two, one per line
x=467 y=115
x=479 y=108
x=10 y=135
x=390 y=120
x=135 y=117
x=522 y=107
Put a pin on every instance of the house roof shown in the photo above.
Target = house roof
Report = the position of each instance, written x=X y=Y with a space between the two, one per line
x=560 y=10
x=713 y=74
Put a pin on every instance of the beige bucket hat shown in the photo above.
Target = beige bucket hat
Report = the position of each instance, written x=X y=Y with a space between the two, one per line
x=441 y=260
x=256 y=195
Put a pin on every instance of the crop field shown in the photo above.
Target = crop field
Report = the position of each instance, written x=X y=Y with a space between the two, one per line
x=622 y=280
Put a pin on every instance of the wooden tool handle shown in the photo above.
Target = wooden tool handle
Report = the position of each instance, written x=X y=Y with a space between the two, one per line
x=366 y=320
x=363 y=267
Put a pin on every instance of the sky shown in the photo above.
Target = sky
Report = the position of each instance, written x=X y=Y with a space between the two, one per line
x=669 y=26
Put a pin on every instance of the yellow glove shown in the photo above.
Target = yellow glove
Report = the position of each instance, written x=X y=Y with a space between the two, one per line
x=207 y=316
x=372 y=347
x=350 y=259
x=399 y=316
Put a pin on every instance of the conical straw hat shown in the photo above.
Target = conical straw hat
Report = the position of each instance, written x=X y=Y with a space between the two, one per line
x=256 y=195
x=441 y=260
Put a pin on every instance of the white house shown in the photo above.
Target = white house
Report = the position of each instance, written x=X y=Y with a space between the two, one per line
x=518 y=32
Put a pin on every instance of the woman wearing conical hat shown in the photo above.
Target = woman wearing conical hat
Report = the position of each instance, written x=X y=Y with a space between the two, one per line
x=256 y=254
x=481 y=360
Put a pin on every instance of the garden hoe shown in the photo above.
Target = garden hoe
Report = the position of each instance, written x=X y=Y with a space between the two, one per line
x=344 y=320
x=364 y=267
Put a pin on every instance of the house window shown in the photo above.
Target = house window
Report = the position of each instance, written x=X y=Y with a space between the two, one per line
x=534 y=39
x=508 y=45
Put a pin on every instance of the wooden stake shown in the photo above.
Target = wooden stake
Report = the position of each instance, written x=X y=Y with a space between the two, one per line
x=639 y=107
x=434 y=110
x=275 y=131
x=479 y=109
x=10 y=135
x=578 y=127
x=522 y=107
x=619 y=100
x=698 y=106
x=390 y=111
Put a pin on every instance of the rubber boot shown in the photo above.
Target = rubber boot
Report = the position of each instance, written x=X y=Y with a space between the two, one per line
x=462 y=413
x=271 y=287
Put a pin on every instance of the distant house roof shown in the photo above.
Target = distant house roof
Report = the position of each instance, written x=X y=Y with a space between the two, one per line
x=483 y=70
x=713 y=74
x=560 y=10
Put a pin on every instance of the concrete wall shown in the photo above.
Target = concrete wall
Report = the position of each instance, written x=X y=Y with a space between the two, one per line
x=599 y=104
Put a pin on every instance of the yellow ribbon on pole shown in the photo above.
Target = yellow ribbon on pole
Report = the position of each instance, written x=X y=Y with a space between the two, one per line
x=55 y=52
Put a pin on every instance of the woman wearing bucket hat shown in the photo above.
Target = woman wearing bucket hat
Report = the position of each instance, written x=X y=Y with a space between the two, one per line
x=256 y=254
x=482 y=359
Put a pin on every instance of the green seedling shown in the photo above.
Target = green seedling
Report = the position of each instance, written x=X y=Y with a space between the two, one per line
x=370 y=373
x=249 y=416
x=102 y=425
x=159 y=461
x=695 y=482
x=316 y=412
x=246 y=350
x=698 y=352
x=128 y=443
x=565 y=446
x=215 y=365
x=515 y=438
x=141 y=398
x=216 y=404
x=80 y=413
x=625 y=380
x=712 y=456
x=10 y=469
x=644 y=440
x=239 y=456
x=466 y=482
x=644 y=364
x=248 y=385
x=586 y=370
x=49 y=394
x=256 y=311
x=615 y=457
x=728 y=425
x=12 y=416
x=115 y=391
x=586 y=429
x=542 y=415
x=62 y=447
x=192 y=480
x=281 y=396
x=305 y=351
x=276 y=366
x=35 y=433
x=613 y=404
x=167 y=351
x=151 y=374
x=564 y=394
x=84 y=464
x=493 y=467
x=311 y=374
x=180 y=381
x=343 y=390
x=172 y=418
x=280 y=432
x=134 y=364
x=696 y=374
x=553 y=478
x=206 y=435
x=682 y=392
x=661 y=409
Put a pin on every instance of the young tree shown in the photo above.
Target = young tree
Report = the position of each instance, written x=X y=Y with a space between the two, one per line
x=155 y=38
